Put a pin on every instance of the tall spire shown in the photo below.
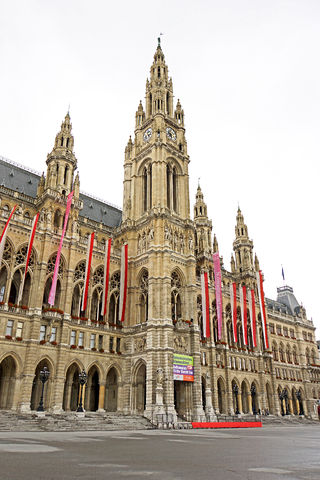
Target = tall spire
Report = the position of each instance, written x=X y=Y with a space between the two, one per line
x=159 y=92
x=62 y=161
x=242 y=246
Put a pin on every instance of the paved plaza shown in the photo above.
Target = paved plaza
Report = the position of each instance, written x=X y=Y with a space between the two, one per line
x=271 y=452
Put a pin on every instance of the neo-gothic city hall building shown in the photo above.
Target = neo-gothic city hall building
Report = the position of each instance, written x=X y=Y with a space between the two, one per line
x=129 y=364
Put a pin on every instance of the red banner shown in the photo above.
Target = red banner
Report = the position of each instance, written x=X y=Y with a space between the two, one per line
x=123 y=281
x=32 y=234
x=87 y=275
x=4 y=233
x=205 y=305
x=52 y=294
x=252 y=304
x=262 y=308
x=106 y=277
x=233 y=301
x=217 y=282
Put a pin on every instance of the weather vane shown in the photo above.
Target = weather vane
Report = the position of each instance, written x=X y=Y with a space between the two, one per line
x=159 y=39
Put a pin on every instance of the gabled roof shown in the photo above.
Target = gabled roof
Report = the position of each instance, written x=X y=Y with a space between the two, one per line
x=24 y=180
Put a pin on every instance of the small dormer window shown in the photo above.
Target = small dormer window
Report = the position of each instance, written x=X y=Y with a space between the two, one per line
x=11 y=173
x=61 y=142
x=67 y=144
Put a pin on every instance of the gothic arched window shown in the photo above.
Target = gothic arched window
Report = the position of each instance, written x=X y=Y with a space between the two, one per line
x=113 y=317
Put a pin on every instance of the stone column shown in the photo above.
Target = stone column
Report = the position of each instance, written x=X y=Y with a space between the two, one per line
x=239 y=401
x=102 y=391
x=250 y=403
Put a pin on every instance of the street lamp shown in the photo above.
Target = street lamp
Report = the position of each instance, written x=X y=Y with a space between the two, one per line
x=253 y=395
x=299 y=397
x=236 y=391
x=83 y=381
x=44 y=376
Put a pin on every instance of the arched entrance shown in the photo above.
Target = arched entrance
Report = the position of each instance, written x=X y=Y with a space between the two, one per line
x=111 y=400
x=295 y=403
x=244 y=397
x=254 y=398
x=71 y=388
x=235 y=397
x=221 y=396
x=37 y=387
x=269 y=399
x=91 y=401
x=140 y=389
x=203 y=388
x=7 y=382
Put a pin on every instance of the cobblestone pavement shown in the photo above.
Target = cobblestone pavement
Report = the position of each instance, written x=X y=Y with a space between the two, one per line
x=271 y=452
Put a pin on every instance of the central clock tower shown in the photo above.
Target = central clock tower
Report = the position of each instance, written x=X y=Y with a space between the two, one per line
x=156 y=225
x=156 y=163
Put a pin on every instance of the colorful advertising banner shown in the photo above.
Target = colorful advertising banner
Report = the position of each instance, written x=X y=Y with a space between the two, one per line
x=183 y=368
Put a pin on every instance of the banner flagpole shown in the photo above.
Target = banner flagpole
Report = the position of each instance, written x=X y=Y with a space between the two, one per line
x=217 y=282
x=87 y=274
x=205 y=305
x=123 y=281
x=31 y=239
x=52 y=294
x=4 y=233
x=106 y=277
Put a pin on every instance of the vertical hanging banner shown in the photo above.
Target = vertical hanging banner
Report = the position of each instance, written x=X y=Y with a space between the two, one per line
x=87 y=275
x=31 y=239
x=262 y=308
x=123 y=281
x=106 y=277
x=244 y=319
x=52 y=294
x=217 y=283
x=205 y=305
x=233 y=300
x=4 y=233
x=252 y=307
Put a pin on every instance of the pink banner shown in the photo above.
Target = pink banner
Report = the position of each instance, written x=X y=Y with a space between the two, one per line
x=217 y=282
x=52 y=294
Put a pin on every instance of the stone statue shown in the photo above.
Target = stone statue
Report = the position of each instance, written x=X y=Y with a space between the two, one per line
x=159 y=376
x=151 y=234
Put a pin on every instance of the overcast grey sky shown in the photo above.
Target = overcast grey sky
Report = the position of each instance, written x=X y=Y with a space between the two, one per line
x=247 y=74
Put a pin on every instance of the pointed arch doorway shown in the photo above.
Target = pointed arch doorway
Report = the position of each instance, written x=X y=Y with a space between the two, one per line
x=140 y=392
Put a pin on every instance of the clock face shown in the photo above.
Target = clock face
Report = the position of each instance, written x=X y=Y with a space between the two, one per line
x=147 y=135
x=171 y=134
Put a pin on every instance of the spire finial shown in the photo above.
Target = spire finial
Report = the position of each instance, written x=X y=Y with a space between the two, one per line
x=159 y=40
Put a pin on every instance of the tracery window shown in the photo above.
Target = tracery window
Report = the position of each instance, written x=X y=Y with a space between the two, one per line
x=51 y=265
x=21 y=257
x=80 y=271
x=8 y=252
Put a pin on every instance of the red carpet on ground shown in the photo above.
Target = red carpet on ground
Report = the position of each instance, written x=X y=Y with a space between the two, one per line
x=226 y=424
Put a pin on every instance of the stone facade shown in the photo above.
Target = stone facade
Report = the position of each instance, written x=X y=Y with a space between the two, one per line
x=129 y=365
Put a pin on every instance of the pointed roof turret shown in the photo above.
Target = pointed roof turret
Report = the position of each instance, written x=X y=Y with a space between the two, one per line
x=64 y=141
x=159 y=92
x=215 y=244
x=242 y=246
x=200 y=207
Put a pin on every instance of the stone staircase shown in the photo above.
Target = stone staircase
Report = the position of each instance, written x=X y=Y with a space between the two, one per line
x=70 y=422
x=287 y=420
